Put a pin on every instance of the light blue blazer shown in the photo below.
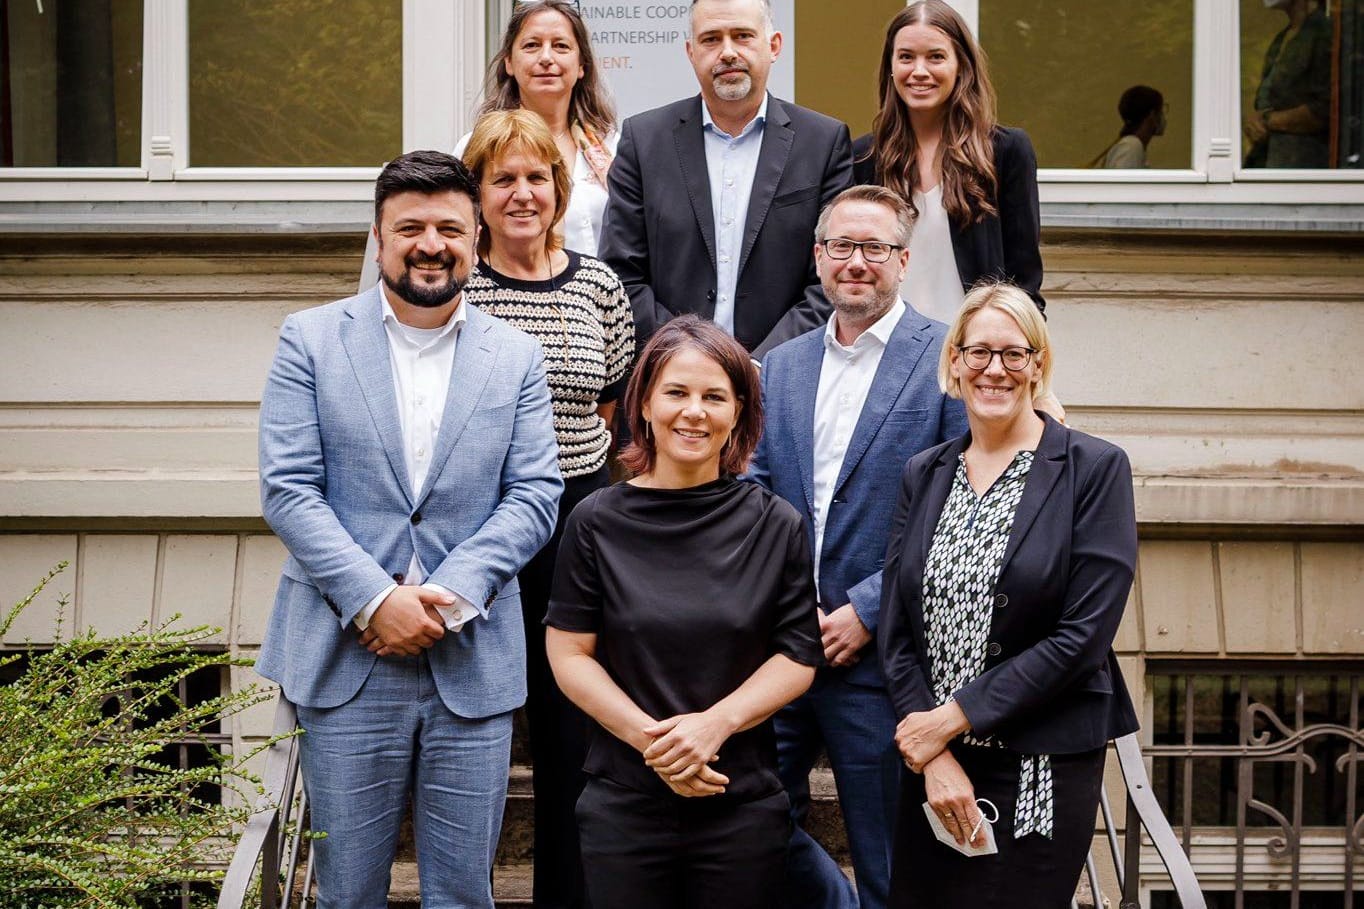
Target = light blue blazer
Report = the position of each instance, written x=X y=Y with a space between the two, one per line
x=905 y=413
x=334 y=487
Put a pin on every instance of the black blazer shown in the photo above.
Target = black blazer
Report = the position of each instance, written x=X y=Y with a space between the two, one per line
x=1003 y=247
x=1051 y=683
x=658 y=233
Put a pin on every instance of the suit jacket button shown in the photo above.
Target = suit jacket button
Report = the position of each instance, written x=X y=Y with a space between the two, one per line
x=398 y=576
x=416 y=517
x=994 y=649
x=1001 y=600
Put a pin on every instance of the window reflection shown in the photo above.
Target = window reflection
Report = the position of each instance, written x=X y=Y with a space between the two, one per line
x=308 y=83
x=1301 y=75
x=1061 y=68
x=71 y=84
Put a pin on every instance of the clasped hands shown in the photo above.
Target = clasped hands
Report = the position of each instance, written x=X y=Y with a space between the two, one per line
x=406 y=622
x=922 y=740
x=682 y=749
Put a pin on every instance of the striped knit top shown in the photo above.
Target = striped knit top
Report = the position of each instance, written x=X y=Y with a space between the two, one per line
x=583 y=321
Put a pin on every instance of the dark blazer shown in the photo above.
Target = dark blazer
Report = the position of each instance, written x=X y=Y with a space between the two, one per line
x=658 y=233
x=1051 y=683
x=1003 y=247
x=905 y=413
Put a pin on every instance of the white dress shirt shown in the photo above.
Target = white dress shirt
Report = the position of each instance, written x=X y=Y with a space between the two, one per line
x=845 y=378
x=932 y=284
x=731 y=165
x=422 y=360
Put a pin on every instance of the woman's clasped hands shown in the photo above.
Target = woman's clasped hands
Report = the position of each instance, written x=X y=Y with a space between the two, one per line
x=922 y=739
x=682 y=750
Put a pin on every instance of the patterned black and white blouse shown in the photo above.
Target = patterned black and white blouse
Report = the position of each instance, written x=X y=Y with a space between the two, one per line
x=963 y=566
x=582 y=319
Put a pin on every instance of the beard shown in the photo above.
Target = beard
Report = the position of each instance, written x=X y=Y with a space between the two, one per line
x=428 y=296
x=861 y=310
x=730 y=89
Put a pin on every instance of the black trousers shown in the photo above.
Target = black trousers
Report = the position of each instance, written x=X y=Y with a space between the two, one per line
x=558 y=729
x=676 y=853
x=1029 y=873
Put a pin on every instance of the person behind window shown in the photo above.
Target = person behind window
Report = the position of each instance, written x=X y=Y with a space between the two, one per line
x=972 y=182
x=1142 y=109
x=576 y=308
x=546 y=65
x=1011 y=555
x=1290 y=123
x=683 y=617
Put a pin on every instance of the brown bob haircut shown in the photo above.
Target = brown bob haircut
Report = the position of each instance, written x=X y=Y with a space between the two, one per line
x=710 y=339
x=505 y=132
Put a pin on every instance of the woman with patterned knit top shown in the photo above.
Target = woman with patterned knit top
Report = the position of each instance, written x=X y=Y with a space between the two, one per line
x=578 y=310
x=1011 y=556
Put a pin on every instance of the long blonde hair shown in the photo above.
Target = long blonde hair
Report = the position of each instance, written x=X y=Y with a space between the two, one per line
x=969 y=179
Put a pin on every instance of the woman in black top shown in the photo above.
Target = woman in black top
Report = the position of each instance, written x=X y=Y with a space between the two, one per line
x=1012 y=553
x=682 y=618
x=936 y=142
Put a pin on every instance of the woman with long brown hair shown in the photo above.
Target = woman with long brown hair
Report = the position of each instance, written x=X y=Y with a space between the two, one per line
x=545 y=65
x=936 y=142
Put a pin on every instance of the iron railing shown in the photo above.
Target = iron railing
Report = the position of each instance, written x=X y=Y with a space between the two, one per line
x=1258 y=763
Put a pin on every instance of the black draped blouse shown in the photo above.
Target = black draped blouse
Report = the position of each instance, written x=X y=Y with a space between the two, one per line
x=689 y=591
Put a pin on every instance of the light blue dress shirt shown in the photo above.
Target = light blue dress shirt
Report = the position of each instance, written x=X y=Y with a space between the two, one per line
x=731 y=164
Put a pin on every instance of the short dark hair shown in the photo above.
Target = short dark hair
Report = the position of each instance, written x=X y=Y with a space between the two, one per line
x=870 y=192
x=712 y=340
x=426 y=172
x=1136 y=104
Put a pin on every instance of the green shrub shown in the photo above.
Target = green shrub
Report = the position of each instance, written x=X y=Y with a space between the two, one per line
x=91 y=813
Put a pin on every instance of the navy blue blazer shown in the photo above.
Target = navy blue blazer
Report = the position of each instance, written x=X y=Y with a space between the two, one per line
x=1051 y=683
x=1002 y=247
x=658 y=233
x=905 y=413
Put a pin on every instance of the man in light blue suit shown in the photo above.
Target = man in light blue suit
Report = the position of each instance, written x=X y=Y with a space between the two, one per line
x=408 y=462
x=846 y=406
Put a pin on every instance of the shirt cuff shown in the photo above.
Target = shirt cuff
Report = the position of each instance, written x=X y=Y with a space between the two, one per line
x=457 y=614
x=366 y=612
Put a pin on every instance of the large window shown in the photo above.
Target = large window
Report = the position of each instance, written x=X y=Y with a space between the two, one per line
x=71 y=83
x=309 y=83
x=1061 y=69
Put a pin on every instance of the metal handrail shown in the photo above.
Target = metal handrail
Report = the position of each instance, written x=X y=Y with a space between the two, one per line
x=266 y=836
x=269 y=841
x=1141 y=801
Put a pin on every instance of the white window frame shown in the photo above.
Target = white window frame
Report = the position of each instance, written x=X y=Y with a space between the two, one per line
x=1215 y=177
x=444 y=48
x=442 y=74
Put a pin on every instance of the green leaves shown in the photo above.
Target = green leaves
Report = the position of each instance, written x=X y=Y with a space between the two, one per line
x=116 y=781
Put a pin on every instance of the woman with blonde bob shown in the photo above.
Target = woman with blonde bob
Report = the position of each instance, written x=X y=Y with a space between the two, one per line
x=575 y=306
x=1011 y=556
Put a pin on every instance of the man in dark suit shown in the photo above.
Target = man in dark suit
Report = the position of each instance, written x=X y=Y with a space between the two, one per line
x=711 y=197
x=846 y=406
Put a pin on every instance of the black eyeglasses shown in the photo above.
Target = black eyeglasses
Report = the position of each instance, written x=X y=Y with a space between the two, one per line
x=1015 y=359
x=872 y=250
